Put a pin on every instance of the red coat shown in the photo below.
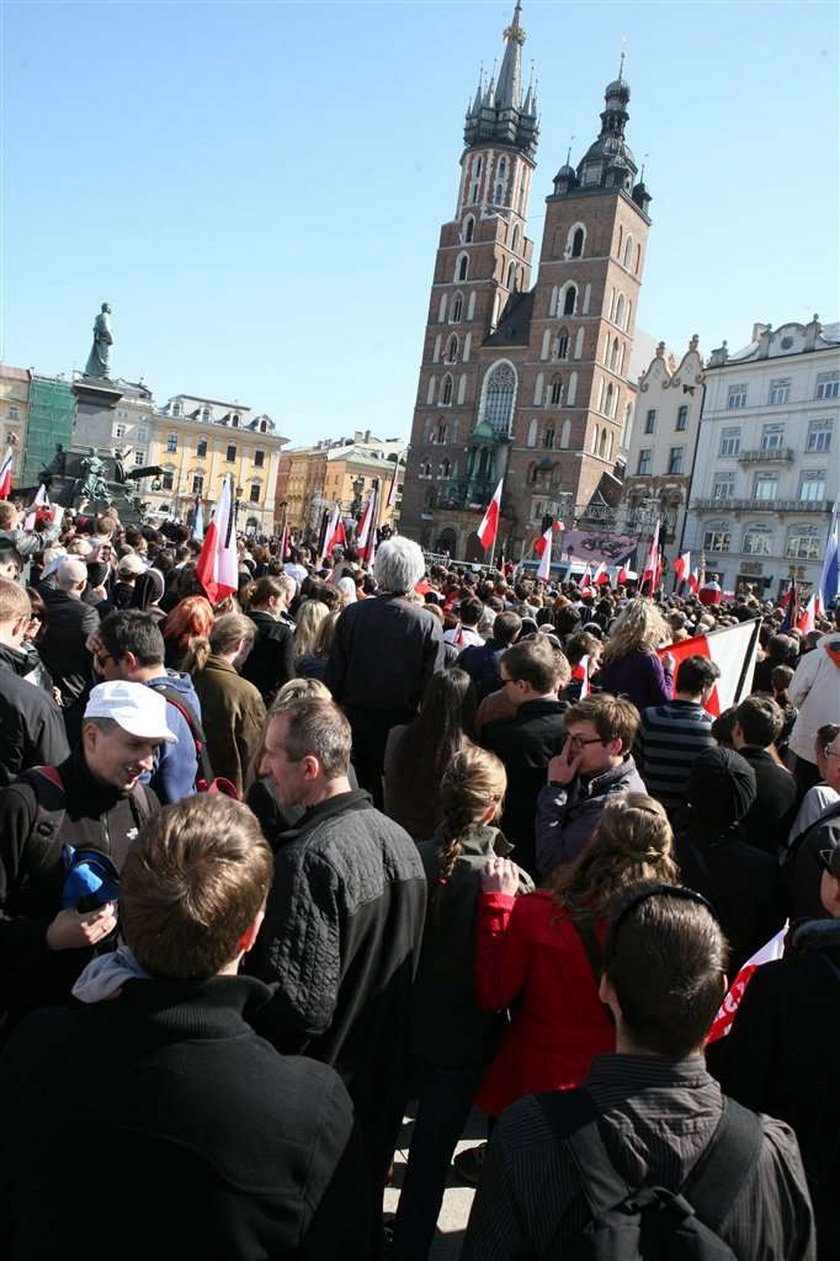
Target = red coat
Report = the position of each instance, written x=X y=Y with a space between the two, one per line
x=527 y=948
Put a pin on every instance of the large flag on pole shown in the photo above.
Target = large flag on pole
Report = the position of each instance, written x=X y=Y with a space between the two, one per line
x=335 y=535
x=41 y=501
x=366 y=541
x=682 y=567
x=733 y=650
x=489 y=527
x=391 y=501
x=828 y=588
x=807 y=620
x=544 y=567
x=651 y=570
x=770 y=952
x=6 y=473
x=218 y=566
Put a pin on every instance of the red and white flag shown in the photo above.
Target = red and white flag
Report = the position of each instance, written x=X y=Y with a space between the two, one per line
x=733 y=650
x=6 y=473
x=770 y=952
x=601 y=578
x=682 y=566
x=391 y=501
x=544 y=567
x=539 y=544
x=622 y=576
x=650 y=573
x=366 y=540
x=489 y=527
x=38 y=505
x=585 y=684
x=694 y=580
x=807 y=620
x=335 y=535
x=586 y=580
x=218 y=565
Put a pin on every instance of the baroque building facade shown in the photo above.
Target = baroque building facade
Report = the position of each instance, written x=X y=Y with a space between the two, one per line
x=767 y=472
x=525 y=381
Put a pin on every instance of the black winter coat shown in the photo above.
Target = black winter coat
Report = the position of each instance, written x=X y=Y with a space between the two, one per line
x=768 y=821
x=271 y=661
x=224 y=1148
x=68 y=624
x=384 y=651
x=31 y=726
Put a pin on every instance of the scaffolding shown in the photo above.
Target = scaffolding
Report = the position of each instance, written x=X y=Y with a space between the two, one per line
x=52 y=411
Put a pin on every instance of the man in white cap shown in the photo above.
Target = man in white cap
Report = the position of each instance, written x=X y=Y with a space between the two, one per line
x=94 y=800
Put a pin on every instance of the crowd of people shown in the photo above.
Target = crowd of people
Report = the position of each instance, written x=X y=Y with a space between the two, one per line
x=358 y=844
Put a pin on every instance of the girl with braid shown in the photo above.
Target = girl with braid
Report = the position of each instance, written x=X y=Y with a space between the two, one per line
x=452 y=1040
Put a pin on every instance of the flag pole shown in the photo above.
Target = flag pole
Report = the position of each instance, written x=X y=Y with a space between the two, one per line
x=499 y=523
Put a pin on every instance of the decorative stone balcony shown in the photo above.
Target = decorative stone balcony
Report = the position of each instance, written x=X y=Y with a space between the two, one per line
x=776 y=455
x=725 y=506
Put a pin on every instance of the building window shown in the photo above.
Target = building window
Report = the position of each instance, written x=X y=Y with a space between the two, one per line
x=804 y=542
x=235 y=420
x=206 y=415
x=645 y=462
x=548 y=438
x=198 y=484
x=717 y=537
x=498 y=398
x=819 y=435
x=425 y=469
x=628 y=252
x=201 y=448
x=577 y=242
x=14 y=413
x=230 y=454
x=462 y=267
x=766 y=485
x=445 y=470
x=457 y=308
x=570 y=300
x=168 y=481
x=561 y=346
x=772 y=437
x=119 y=429
x=142 y=436
x=139 y=457
x=737 y=397
x=256 y=493
x=828 y=385
x=469 y=226
x=446 y=391
x=171 y=443
x=724 y=486
x=452 y=349
x=619 y=310
x=812 y=485
x=650 y=421
x=779 y=392
x=682 y=418
x=176 y=409
x=675 y=460
x=730 y=441
x=757 y=541
x=556 y=395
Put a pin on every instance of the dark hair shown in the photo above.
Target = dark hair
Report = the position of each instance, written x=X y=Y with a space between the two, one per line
x=192 y=884
x=506 y=627
x=723 y=727
x=666 y=959
x=534 y=662
x=471 y=611
x=444 y=724
x=760 y=719
x=581 y=644
x=695 y=674
x=130 y=630
x=316 y=728
x=613 y=717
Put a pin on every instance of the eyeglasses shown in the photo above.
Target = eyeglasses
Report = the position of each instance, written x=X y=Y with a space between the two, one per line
x=827 y=859
x=578 y=742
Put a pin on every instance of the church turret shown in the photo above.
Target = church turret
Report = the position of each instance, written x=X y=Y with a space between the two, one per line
x=503 y=117
x=609 y=162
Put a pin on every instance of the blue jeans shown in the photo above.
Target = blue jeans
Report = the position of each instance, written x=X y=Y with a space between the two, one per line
x=444 y=1100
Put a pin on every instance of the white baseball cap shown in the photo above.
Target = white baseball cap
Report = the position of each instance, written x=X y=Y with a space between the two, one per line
x=136 y=708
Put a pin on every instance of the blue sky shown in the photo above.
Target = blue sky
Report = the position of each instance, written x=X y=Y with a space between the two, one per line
x=257 y=189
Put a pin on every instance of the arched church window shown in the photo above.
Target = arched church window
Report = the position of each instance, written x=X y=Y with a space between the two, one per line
x=452 y=349
x=628 y=252
x=462 y=267
x=446 y=391
x=608 y=401
x=532 y=433
x=570 y=300
x=556 y=396
x=445 y=469
x=514 y=242
x=602 y=445
x=548 y=438
x=499 y=194
x=469 y=229
x=619 y=310
x=502 y=167
x=614 y=353
x=457 y=309
x=511 y=276
x=499 y=391
x=425 y=469
x=578 y=239
x=565 y=433
x=561 y=345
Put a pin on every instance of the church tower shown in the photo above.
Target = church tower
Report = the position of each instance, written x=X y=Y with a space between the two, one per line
x=483 y=262
x=577 y=395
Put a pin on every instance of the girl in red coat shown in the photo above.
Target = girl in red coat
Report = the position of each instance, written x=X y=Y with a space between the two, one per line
x=541 y=952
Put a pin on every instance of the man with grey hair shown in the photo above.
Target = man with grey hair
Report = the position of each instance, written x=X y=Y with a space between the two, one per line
x=69 y=623
x=383 y=654
x=232 y=709
x=343 y=926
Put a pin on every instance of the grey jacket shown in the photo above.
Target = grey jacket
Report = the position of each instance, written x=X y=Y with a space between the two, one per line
x=567 y=814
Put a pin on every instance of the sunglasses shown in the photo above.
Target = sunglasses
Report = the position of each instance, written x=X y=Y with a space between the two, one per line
x=827 y=862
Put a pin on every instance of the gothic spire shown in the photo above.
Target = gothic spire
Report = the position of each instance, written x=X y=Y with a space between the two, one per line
x=499 y=115
x=509 y=87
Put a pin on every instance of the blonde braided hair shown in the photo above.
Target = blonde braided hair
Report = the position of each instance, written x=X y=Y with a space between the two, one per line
x=474 y=780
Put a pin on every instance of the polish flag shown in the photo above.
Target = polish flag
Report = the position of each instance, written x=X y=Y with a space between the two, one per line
x=828 y=587
x=585 y=684
x=335 y=535
x=770 y=952
x=682 y=566
x=693 y=580
x=544 y=567
x=39 y=503
x=733 y=649
x=586 y=580
x=650 y=573
x=601 y=578
x=539 y=545
x=807 y=620
x=6 y=473
x=218 y=568
x=622 y=577
x=366 y=540
x=489 y=527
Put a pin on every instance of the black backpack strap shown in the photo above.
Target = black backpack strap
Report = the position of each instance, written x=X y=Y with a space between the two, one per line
x=39 y=852
x=205 y=770
x=573 y=1118
x=716 y=1179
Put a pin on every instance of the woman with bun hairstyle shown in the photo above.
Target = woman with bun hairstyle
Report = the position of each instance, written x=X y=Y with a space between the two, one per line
x=542 y=952
x=186 y=634
x=451 y=1039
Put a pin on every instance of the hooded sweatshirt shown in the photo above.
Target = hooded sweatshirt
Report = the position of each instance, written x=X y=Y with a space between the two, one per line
x=175 y=767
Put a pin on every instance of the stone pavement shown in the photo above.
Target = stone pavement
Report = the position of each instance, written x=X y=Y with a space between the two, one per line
x=458 y=1197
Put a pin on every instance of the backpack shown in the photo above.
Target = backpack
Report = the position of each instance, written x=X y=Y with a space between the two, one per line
x=649 y=1221
x=206 y=781
x=89 y=877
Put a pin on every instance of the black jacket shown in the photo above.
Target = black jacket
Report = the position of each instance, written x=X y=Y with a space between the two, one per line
x=743 y=885
x=271 y=661
x=526 y=744
x=69 y=622
x=384 y=651
x=31 y=727
x=222 y=1148
x=780 y=1057
x=95 y=816
x=342 y=937
x=804 y=869
x=768 y=821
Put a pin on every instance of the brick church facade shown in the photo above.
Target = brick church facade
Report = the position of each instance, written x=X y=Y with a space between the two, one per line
x=525 y=377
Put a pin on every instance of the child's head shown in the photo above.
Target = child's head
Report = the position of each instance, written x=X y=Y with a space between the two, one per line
x=780 y=680
x=471 y=793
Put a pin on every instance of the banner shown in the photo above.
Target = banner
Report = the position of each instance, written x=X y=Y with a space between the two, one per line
x=733 y=650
